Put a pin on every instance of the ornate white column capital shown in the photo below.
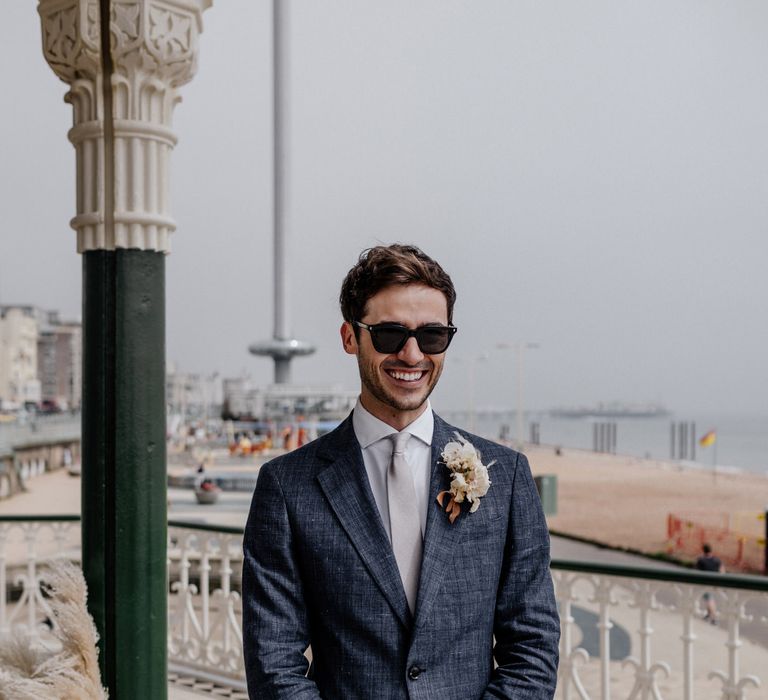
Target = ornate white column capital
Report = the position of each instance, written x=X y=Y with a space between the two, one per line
x=154 y=45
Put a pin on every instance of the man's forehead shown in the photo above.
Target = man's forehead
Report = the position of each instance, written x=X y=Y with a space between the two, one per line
x=409 y=300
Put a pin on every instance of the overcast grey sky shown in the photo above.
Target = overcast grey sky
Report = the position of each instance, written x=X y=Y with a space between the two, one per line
x=593 y=174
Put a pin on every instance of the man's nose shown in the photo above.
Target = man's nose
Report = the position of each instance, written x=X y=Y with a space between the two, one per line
x=410 y=352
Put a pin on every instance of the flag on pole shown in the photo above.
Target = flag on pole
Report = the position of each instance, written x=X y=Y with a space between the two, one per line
x=708 y=439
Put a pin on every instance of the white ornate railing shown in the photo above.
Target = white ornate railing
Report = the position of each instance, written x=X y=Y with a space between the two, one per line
x=204 y=613
x=26 y=543
x=627 y=633
x=637 y=633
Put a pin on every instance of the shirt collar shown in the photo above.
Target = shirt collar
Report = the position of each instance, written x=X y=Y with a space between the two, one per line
x=369 y=429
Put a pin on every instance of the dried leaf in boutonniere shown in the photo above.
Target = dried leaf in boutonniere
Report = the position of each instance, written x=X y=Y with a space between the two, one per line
x=469 y=477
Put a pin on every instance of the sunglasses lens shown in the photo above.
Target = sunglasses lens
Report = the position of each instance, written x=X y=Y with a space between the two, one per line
x=388 y=340
x=433 y=341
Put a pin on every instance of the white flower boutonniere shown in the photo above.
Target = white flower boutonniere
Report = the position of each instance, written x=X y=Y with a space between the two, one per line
x=469 y=477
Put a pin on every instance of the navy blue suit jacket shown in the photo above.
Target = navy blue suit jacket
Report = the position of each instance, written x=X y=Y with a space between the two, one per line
x=319 y=569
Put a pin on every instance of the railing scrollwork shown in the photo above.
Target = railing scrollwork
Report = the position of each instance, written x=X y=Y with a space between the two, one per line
x=204 y=629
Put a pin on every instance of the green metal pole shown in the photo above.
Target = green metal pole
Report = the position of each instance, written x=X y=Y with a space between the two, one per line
x=97 y=446
x=124 y=467
x=140 y=572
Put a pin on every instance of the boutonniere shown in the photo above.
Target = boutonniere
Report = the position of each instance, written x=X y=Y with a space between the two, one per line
x=469 y=477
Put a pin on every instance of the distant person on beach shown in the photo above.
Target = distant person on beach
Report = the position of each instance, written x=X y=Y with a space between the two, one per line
x=709 y=562
x=412 y=556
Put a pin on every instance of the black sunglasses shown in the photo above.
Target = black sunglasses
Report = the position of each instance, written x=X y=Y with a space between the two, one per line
x=390 y=338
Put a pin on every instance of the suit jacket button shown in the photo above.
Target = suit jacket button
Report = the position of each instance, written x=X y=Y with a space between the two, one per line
x=414 y=672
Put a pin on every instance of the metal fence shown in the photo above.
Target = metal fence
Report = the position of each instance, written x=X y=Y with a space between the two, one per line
x=62 y=426
x=637 y=633
x=204 y=609
x=627 y=633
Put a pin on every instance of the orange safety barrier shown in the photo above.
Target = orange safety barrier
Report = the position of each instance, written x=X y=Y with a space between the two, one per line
x=739 y=551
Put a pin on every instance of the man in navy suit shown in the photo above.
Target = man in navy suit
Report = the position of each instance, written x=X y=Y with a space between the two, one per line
x=409 y=554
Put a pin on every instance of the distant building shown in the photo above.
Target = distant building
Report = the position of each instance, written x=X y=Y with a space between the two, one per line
x=19 y=383
x=239 y=398
x=192 y=395
x=59 y=361
x=243 y=400
x=40 y=359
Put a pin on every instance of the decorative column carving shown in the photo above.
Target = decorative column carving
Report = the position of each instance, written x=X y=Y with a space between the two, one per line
x=154 y=52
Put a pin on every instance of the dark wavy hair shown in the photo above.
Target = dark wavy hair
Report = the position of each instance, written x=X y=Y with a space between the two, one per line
x=384 y=266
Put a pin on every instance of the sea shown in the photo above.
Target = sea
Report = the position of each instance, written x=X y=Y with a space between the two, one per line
x=741 y=442
x=741 y=438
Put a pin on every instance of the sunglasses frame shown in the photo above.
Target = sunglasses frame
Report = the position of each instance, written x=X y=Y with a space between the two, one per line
x=408 y=334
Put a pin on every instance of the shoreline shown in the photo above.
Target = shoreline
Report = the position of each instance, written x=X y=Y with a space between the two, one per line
x=660 y=462
x=742 y=439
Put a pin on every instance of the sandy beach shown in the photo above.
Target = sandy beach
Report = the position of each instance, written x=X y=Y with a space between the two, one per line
x=615 y=500
x=625 y=501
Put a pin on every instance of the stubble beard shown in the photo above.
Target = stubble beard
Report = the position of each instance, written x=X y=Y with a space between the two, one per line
x=370 y=378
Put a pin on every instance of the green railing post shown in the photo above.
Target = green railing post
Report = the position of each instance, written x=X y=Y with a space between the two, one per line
x=124 y=470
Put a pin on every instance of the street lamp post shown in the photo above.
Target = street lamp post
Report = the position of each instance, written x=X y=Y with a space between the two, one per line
x=518 y=347
x=471 y=372
x=482 y=357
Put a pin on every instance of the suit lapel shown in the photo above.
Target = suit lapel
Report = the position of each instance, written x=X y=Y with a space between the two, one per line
x=440 y=535
x=345 y=485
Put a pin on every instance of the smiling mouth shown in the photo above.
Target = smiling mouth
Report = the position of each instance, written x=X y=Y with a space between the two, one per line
x=406 y=376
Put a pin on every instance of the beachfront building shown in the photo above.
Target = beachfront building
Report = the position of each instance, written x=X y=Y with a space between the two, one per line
x=19 y=383
x=192 y=395
x=59 y=362
x=320 y=402
x=243 y=399
x=40 y=358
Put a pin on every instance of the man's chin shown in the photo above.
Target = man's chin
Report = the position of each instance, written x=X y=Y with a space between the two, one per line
x=409 y=403
x=411 y=406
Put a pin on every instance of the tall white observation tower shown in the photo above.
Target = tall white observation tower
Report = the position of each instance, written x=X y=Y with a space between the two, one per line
x=282 y=348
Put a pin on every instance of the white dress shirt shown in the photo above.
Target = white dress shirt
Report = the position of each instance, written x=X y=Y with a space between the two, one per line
x=373 y=436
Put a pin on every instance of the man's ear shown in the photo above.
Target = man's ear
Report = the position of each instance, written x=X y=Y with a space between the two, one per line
x=348 y=338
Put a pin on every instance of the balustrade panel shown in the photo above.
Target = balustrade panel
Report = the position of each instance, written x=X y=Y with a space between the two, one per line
x=26 y=544
x=205 y=608
x=627 y=634
x=632 y=638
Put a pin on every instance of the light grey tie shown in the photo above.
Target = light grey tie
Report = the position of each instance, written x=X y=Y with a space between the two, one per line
x=404 y=520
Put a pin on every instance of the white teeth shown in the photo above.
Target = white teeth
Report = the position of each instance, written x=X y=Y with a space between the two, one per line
x=406 y=376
